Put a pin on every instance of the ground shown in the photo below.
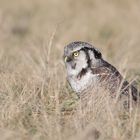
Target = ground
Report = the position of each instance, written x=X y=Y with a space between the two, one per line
x=36 y=101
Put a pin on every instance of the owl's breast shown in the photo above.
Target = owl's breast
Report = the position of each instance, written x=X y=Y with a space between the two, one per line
x=84 y=83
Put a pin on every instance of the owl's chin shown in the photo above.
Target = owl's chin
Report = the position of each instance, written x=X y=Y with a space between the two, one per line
x=73 y=66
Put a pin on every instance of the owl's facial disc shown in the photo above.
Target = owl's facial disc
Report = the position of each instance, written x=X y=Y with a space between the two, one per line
x=71 y=57
x=69 y=60
x=81 y=56
x=75 y=62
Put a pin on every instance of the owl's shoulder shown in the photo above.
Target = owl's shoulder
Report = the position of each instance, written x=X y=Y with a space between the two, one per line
x=105 y=67
x=107 y=72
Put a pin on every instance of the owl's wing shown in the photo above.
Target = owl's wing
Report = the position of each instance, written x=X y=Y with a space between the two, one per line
x=110 y=79
x=107 y=72
x=114 y=81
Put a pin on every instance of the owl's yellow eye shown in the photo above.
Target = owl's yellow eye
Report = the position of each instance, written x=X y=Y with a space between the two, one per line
x=65 y=59
x=76 y=54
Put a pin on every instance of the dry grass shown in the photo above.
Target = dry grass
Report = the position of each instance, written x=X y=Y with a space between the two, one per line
x=35 y=100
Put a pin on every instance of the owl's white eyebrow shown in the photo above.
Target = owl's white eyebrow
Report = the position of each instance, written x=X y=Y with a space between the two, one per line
x=77 y=50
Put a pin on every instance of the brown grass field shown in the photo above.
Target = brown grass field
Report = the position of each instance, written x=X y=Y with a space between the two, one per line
x=36 y=102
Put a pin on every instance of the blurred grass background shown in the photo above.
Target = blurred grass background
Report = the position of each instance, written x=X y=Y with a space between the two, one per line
x=33 y=86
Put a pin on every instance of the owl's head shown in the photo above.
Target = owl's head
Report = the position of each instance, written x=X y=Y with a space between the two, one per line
x=80 y=56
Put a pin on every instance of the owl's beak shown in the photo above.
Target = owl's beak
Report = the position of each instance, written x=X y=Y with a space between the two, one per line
x=68 y=59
